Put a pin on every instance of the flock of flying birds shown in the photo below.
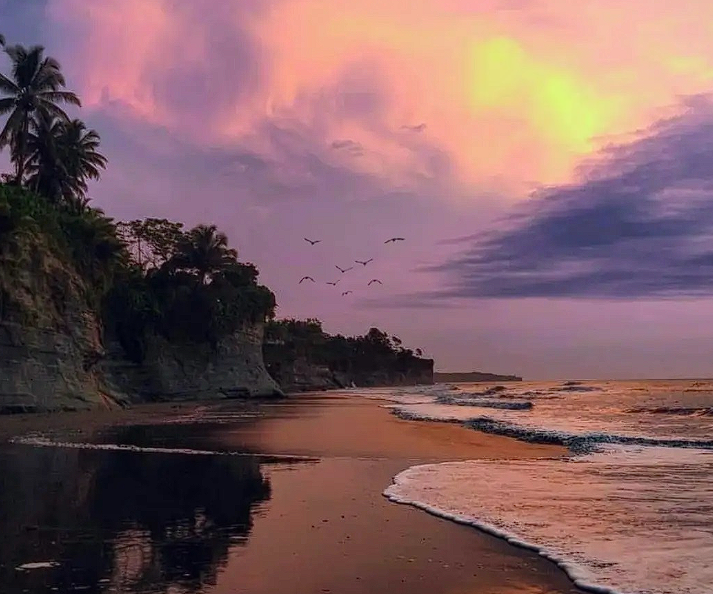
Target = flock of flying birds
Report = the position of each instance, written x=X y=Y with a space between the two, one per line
x=345 y=270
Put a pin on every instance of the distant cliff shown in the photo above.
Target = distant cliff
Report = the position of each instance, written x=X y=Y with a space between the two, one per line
x=302 y=357
x=301 y=375
x=473 y=376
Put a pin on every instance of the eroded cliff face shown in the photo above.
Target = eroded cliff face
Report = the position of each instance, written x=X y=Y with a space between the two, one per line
x=300 y=375
x=50 y=336
x=232 y=368
x=53 y=355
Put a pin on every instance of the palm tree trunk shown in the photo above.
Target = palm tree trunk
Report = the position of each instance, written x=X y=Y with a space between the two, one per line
x=22 y=143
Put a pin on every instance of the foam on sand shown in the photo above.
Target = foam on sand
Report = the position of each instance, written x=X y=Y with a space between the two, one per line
x=585 y=513
x=37 y=565
x=41 y=441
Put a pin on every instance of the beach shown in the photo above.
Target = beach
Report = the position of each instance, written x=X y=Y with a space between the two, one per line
x=322 y=524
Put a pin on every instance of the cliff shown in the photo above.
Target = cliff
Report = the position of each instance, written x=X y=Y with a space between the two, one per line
x=474 y=376
x=50 y=336
x=173 y=370
x=298 y=374
x=53 y=356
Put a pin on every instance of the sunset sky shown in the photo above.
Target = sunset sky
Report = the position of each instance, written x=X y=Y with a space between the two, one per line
x=549 y=162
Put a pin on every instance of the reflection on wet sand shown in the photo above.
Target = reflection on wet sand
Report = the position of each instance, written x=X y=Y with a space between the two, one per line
x=192 y=502
x=121 y=521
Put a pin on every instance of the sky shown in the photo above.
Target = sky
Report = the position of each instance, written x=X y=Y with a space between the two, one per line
x=549 y=163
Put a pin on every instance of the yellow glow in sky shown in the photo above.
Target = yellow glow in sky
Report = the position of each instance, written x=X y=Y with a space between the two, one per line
x=554 y=103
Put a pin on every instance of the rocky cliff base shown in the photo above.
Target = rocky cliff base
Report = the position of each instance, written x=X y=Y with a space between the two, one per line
x=302 y=376
x=232 y=368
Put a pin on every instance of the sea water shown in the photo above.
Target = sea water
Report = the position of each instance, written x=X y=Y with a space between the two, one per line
x=629 y=510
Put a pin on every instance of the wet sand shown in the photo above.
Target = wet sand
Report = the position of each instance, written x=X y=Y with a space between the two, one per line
x=326 y=526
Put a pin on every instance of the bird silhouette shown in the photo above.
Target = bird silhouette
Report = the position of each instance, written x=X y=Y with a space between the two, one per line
x=395 y=239
x=374 y=280
x=343 y=270
x=312 y=241
x=334 y=284
x=347 y=293
x=365 y=262
x=304 y=278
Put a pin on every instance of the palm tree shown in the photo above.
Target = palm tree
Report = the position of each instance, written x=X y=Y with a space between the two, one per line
x=47 y=175
x=62 y=157
x=34 y=88
x=80 y=152
x=205 y=251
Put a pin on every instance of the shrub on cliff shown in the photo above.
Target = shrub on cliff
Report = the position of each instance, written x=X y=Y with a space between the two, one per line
x=288 y=340
x=184 y=285
x=86 y=239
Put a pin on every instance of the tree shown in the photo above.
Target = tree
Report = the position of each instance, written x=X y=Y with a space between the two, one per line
x=203 y=250
x=62 y=157
x=80 y=153
x=2 y=40
x=34 y=88
x=47 y=176
x=152 y=241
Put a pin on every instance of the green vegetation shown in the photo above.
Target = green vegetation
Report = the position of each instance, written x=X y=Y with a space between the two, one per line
x=185 y=285
x=33 y=94
x=287 y=341
x=146 y=276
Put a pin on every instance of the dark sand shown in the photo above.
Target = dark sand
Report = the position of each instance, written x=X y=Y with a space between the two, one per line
x=326 y=526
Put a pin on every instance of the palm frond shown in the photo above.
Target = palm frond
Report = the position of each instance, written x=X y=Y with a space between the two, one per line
x=25 y=63
x=7 y=105
x=8 y=86
x=53 y=109
x=48 y=76
x=12 y=125
x=60 y=97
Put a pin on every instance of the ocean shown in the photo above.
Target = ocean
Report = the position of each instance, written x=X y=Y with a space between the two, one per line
x=628 y=510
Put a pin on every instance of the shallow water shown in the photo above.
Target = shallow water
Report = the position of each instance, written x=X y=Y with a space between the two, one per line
x=141 y=515
x=630 y=510
x=660 y=410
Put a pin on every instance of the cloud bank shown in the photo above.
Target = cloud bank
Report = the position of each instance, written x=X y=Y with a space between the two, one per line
x=638 y=224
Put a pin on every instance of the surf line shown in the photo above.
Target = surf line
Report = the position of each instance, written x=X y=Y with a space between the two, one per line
x=570 y=569
x=45 y=442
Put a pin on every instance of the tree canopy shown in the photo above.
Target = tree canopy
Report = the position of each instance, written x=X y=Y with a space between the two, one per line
x=147 y=275
x=35 y=88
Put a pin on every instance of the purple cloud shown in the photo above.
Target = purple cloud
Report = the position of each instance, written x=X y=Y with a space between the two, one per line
x=640 y=224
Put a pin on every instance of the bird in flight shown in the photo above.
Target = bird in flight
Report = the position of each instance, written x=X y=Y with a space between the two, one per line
x=347 y=293
x=374 y=280
x=343 y=270
x=334 y=284
x=394 y=239
x=364 y=263
x=312 y=241
x=304 y=278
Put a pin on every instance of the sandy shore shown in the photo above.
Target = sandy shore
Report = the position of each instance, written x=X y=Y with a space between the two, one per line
x=326 y=526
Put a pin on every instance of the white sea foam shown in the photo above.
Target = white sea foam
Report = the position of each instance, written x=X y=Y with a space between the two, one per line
x=626 y=519
x=42 y=441
x=37 y=565
x=576 y=414
x=631 y=513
